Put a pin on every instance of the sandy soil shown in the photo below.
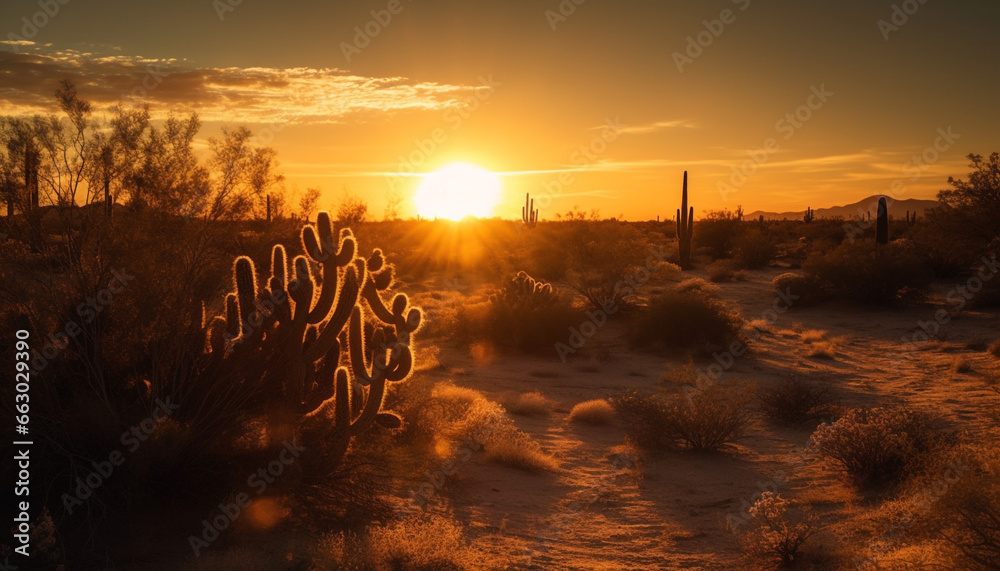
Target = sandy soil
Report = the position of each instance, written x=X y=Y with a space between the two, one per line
x=670 y=512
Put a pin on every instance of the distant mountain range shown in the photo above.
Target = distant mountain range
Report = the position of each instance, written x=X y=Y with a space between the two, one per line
x=897 y=209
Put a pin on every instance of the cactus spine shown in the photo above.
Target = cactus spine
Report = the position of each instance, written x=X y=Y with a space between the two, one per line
x=882 y=223
x=685 y=227
x=529 y=214
x=283 y=342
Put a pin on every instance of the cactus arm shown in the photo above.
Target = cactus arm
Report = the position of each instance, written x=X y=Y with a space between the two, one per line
x=347 y=299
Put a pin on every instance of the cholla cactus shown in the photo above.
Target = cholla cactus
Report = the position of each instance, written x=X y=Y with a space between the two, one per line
x=286 y=340
x=685 y=227
x=525 y=293
x=529 y=214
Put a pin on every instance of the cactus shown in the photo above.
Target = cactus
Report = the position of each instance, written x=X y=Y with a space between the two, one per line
x=524 y=293
x=529 y=214
x=882 y=223
x=685 y=227
x=286 y=338
x=911 y=219
x=809 y=216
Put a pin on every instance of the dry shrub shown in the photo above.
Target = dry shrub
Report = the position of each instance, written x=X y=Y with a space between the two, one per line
x=528 y=404
x=422 y=542
x=597 y=412
x=961 y=496
x=754 y=250
x=879 y=447
x=776 y=530
x=687 y=317
x=703 y=420
x=803 y=290
x=795 y=402
x=522 y=314
x=710 y=418
x=857 y=272
x=725 y=271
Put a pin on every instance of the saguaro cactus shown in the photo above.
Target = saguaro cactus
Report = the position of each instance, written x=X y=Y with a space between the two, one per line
x=809 y=215
x=285 y=341
x=685 y=227
x=529 y=214
x=882 y=223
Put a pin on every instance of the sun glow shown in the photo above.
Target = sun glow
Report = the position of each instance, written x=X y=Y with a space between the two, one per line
x=456 y=191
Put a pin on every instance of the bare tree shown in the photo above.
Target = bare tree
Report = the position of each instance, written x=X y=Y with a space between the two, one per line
x=65 y=149
x=243 y=174
x=352 y=210
x=309 y=202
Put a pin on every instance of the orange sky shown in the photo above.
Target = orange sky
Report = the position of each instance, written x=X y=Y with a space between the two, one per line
x=613 y=97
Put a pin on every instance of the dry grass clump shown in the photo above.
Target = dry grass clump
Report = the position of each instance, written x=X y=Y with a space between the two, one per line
x=597 y=412
x=702 y=420
x=795 y=402
x=879 y=447
x=528 y=404
x=681 y=376
x=819 y=346
x=776 y=531
x=516 y=449
x=422 y=542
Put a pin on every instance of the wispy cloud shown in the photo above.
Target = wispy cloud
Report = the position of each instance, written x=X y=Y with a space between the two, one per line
x=247 y=95
x=659 y=126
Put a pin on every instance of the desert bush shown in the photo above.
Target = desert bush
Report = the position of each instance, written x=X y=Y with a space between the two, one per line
x=710 y=418
x=421 y=542
x=878 y=447
x=776 y=530
x=597 y=412
x=645 y=419
x=703 y=420
x=600 y=257
x=725 y=271
x=803 y=290
x=686 y=318
x=753 y=249
x=856 y=271
x=795 y=402
x=958 y=503
x=717 y=231
x=522 y=314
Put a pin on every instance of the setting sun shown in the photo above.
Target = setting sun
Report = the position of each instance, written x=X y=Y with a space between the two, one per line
x=456 y=191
